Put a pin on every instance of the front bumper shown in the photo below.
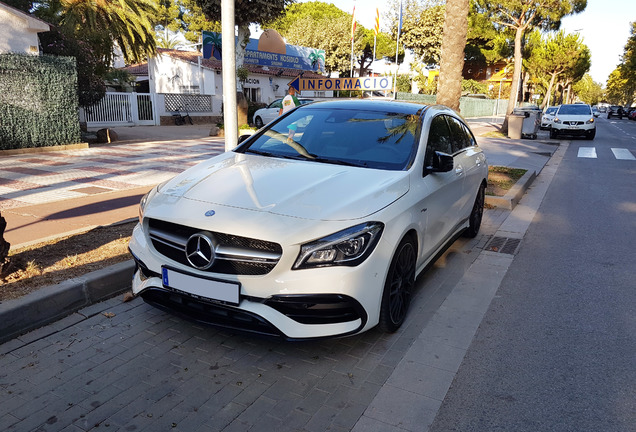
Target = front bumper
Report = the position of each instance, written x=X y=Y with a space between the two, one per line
x=293 y=305
x=579 y=129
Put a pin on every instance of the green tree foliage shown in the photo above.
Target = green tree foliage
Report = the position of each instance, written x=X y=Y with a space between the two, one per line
x=621 y=85
x=486 y=42
x=316 y=10
x=324 y=26
x=474 y=87
x=618 y=90
x=557 y=58
x=588 y=91
x=422 y=33
x=103 y=23
x=336 y=41
x=184 y=16
x=422 y=30
x=522 y=16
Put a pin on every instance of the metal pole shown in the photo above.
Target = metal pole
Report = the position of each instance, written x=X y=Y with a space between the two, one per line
x=397 y=50
x=351 y=72
x=230 y=116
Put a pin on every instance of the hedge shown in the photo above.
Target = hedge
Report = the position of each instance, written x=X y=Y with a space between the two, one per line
x=38 y=101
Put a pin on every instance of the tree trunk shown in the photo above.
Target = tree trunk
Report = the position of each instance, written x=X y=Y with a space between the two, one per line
x=4 y=246
x=449 y=89
x=548 y=92
x=516 y=75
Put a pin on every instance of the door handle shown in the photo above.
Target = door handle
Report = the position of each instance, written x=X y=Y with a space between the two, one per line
x=459 y=170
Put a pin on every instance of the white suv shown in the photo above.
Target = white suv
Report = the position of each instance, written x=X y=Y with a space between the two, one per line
x=574 y=119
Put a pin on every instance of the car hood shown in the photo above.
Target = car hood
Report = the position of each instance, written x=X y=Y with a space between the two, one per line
x=299 y=189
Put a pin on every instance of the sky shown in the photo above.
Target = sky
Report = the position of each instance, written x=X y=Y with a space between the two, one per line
x=604 y=27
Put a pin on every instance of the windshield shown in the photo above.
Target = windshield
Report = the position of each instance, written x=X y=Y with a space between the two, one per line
x=551 y=110
x=575 y=110
x=370 y=139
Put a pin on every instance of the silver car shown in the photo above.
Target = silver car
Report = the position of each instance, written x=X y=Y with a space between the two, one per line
x=548 y=117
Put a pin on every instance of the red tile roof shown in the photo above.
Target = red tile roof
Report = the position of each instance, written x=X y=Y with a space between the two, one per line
x=140 y=69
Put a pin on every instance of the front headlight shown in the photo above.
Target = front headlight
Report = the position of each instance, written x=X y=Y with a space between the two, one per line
x=144 y=202
x=348 y=247
x=556 y=120
x=590 y=121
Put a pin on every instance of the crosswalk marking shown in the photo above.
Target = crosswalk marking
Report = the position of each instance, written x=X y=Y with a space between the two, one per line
x=619 y=153
x=623 y=154
x=587 y=152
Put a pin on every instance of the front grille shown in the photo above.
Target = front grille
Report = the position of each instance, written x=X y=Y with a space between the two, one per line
x=235 y=255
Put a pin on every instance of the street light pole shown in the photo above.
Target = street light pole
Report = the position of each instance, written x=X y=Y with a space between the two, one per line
x=230 y=117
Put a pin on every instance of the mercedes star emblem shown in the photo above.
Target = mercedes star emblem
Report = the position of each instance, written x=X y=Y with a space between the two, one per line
x=200 y=251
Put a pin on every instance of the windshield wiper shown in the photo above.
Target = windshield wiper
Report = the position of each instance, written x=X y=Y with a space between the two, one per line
x=359 y=164
x=261 y=153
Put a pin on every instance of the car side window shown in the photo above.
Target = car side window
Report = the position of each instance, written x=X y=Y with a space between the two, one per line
x=439 y=139
x=460 y=137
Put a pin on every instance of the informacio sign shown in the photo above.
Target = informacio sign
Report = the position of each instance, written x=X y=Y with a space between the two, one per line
x=335 y=84
x=289 y=56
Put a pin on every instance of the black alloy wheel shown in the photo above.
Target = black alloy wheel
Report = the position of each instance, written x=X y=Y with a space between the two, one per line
x=476 y=215
x=399 y=284
x=258 y=122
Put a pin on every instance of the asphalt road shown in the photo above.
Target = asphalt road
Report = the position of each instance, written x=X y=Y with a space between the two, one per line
x=557 y=349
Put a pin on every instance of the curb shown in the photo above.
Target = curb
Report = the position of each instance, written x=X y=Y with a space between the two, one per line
x=54 y=302
x=513 y=196
x=45 y=149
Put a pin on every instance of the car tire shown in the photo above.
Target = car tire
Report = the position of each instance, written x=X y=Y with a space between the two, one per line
x=258 y=122
x=553 y=134
x=398 y=286
x=477 y=213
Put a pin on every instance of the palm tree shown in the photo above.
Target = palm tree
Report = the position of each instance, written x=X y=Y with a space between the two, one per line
x=449 y=89
x=315 y=57
x=167 y=40
x=126 y=22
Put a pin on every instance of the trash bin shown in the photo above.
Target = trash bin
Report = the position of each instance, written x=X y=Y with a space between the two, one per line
x=531 y=124
x=531 y=121
x=515 y=125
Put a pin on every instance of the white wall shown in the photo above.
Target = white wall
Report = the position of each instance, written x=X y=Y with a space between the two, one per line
x=19 y=32
x=168 y=75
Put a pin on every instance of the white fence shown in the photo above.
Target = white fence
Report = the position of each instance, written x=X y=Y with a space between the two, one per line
x=122 y=109
x=142 y=109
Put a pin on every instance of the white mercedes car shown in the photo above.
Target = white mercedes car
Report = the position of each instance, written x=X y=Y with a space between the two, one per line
x=315 y=226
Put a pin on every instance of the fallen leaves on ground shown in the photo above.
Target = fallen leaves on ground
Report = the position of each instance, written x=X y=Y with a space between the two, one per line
x=55 y=261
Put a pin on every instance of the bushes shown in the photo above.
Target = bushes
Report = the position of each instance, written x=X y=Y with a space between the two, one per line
x=38 y=101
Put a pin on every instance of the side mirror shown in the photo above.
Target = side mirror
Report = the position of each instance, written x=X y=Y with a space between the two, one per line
x=442 y=162
x=243 y=138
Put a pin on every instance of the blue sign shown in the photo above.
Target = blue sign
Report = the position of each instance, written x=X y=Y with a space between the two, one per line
x=295 y=57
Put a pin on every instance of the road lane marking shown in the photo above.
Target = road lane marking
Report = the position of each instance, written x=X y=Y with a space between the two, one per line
x=623 y=154
x=587 y=152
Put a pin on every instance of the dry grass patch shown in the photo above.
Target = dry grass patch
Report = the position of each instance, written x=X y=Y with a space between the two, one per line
x=52 y=262
x=502 y=179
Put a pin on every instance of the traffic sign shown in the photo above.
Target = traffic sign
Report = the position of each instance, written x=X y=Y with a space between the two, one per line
x=356 y=83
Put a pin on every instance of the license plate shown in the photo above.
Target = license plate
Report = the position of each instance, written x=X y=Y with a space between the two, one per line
x=200 y=287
